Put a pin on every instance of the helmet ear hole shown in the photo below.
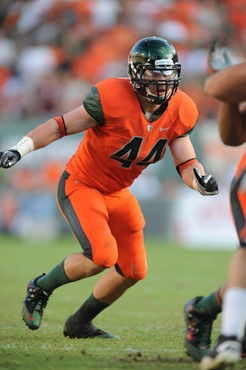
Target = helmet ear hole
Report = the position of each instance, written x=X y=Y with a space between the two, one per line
x=154 y=54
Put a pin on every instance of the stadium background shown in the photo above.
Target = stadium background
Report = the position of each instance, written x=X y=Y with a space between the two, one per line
x=52 y=51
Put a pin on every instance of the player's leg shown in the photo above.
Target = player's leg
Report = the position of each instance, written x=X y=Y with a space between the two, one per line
x=84 y=209
x=229 y=345
x=199 y=314
x=107 y=290
x=126 y=223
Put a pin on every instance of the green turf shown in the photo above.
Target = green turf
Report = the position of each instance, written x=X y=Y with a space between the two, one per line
x=148 y=318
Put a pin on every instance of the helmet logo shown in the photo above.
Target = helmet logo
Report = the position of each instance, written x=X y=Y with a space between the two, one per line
x=163 y=62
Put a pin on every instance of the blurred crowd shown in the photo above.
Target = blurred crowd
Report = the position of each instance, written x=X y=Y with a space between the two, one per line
x=52 y=51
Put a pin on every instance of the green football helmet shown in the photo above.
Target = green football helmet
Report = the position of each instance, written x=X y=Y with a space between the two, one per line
x=154 y=69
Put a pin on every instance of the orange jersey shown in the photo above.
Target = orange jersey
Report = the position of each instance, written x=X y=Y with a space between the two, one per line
x=112 y=155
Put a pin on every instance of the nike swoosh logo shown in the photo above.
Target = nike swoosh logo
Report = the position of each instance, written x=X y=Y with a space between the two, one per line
x=163 y=128
x=30 y=318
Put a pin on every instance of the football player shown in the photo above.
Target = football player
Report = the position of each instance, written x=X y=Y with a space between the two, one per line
x=129 y=123
x=228 y=85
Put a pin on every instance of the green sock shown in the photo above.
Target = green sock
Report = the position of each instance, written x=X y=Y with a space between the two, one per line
x=55 y=278
x=210 y=304
x=95 y=303
x=90 y=309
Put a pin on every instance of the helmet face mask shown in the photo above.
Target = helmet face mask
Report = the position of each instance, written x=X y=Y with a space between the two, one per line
x=154 y=70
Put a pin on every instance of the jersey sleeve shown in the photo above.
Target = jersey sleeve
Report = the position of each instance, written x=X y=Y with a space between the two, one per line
x=93 y=106
x=188 y=132
x=187 y=116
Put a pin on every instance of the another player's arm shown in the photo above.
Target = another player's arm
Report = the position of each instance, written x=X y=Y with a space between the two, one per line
x=190 y=169
x=232 y=124
x=229 y=86
x=77 y=120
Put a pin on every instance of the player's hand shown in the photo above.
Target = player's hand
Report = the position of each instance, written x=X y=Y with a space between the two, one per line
x=218 y=57
x=206 y=184
x=9 y=158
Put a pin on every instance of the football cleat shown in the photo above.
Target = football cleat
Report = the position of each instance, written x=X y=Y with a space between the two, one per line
x=225 y=354
x=34 y=304
x=74 y=328
x=198 y=329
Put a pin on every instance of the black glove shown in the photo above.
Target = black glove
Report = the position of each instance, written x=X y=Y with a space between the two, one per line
x=9 y=158
x=218 y=57
x=207 y=184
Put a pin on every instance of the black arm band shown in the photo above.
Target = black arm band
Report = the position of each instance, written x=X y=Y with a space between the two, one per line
x=182 y=166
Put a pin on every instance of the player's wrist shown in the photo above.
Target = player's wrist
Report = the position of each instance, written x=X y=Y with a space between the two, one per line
x=24 y=146
x=194 y=185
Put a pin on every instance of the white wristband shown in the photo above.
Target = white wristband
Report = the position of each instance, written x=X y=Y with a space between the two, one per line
x=24 y=146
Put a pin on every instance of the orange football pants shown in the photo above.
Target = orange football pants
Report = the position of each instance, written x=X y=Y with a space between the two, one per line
x=109 y=227
x=238 y=200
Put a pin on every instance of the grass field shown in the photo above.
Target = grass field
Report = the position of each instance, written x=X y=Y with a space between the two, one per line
x=148 y=319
